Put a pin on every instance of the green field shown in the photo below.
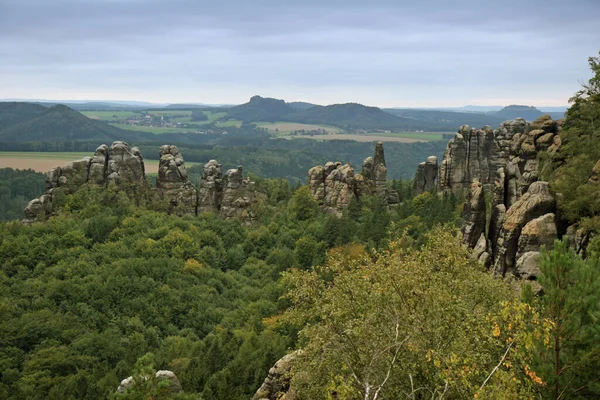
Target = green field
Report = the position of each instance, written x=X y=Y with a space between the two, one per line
x=288 y=127
x=410 y=135
x=152 y=129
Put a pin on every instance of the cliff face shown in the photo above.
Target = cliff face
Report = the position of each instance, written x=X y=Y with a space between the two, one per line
x=503 y=163
x=122 y=167
x=334 y=184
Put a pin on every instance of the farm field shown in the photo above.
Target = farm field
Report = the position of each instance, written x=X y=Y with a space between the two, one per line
x=374 y=137
x=45 y=161
x=288 y=127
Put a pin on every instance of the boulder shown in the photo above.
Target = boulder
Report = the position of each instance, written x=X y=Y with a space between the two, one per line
x=536 y=233
x=277 y=383
x=174 y=384
x=527 y=266
x=535 y=203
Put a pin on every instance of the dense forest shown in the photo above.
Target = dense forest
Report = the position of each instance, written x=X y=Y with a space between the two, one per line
x=383 y=303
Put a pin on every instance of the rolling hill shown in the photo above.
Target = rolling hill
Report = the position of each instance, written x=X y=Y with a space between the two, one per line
x=27 y=122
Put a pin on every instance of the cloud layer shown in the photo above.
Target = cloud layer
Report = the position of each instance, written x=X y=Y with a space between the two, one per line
x=386 y=53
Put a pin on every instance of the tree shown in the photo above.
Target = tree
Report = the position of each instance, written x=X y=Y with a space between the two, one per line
x=569 y=362
x=397 y=324
x=570 y=169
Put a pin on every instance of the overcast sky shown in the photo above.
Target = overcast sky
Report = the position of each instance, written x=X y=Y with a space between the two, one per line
x=421 y=53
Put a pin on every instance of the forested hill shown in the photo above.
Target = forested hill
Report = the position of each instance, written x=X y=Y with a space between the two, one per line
x=26 y=122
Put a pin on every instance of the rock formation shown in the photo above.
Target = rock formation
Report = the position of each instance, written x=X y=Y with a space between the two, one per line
x=211 y=188
x=123 y=167
x=174 y=384
x=277 y=384
x=231 y=195
x=238 y=195
x=504 y=163
x=474 y=215
x=173 y=183
x=426 y=175
x=333 y=185
x=467 y=157
x=119 y=165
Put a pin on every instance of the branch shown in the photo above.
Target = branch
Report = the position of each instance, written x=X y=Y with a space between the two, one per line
x=497 y=366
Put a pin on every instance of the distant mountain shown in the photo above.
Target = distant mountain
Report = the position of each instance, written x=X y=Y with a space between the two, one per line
x=448 y=120
x=346 y=116
x=261 y=109
x=57 y=123
x=518 y=111
x=353 y=116
x=527 y=112
x=301 y=105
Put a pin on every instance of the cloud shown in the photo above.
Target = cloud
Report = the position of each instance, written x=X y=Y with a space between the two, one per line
x=425 y=53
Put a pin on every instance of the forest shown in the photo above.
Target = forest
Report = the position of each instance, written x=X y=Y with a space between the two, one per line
x=381 y=303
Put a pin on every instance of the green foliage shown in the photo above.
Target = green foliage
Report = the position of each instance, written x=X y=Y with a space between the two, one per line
x=568 y=363
x=17 y=187
x=304 y=206
x=397 y=323
x=570 y=169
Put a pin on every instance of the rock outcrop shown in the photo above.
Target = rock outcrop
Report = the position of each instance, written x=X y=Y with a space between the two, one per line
x=426 y=176
x=119 y=165
x=504 y=163
x=467 y=157
x=277 y=384
x=173 y=183
x=174 y=384
x=123 y=168
x=334 y=184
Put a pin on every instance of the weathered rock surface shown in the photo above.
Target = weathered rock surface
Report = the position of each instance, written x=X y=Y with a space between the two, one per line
x=467 y=157
x=123 y=166
x=537 y=233
x=175 y=385
x=425 y=178
x=535 y=203
x=474 y=215
x=334 y=184
x=119 y=165
x=231 y=195
x=238 y=195
x=173 y=183
x=277 y=384
x=522 y=214
x=211 y=187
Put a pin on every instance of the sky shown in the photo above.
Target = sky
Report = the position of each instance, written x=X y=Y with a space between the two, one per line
x=387 y=53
